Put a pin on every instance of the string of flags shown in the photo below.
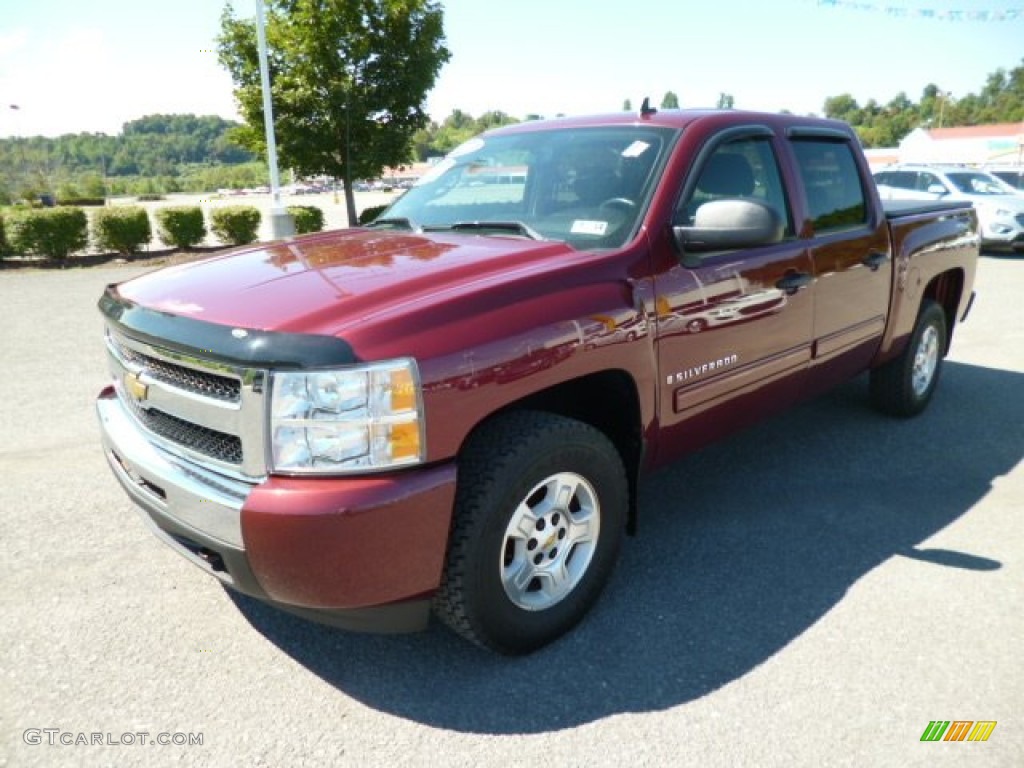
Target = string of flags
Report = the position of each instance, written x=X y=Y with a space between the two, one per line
x=903 y=12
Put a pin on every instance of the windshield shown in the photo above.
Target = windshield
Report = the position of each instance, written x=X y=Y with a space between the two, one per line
x=977 y=183
x=583 y=186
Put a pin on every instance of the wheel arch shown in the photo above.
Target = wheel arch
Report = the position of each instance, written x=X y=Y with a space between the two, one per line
x=607 y=400
x=946 y=289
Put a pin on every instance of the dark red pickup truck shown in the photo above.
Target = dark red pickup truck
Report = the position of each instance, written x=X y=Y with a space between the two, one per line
x=451 y=407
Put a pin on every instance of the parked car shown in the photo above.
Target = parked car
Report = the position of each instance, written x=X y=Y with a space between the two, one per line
x=1012 y=176
x=452 y=408
x=1000 y=209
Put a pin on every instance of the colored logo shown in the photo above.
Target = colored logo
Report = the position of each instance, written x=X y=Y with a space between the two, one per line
x=135 y=387
x=959 y=730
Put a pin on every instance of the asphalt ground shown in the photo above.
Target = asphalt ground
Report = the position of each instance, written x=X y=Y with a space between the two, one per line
x=812 y=592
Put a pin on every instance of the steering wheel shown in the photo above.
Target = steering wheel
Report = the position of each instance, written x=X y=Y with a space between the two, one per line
x=618 y=202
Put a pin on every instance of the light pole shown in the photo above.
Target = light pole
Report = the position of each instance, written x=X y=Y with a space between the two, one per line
x=281 y=223
x=943 y=96
x=23 y=171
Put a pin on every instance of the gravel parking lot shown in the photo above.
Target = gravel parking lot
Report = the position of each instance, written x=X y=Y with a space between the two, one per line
x=811 y=593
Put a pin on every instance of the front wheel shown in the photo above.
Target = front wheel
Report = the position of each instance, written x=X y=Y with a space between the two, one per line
x=904 y=385
x=540 y=513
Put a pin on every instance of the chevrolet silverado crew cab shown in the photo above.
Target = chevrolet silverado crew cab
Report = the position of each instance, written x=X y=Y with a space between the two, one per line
x=450 y=409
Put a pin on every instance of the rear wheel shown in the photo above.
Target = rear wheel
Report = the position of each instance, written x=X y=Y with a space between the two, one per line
x=905 y=385
x=540 y=512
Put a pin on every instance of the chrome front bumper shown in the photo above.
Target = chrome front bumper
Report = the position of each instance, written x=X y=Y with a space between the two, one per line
x=198 y=513
x=170 y=487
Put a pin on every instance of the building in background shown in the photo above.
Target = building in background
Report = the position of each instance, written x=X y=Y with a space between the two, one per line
x=999 y=144
x=879 y=157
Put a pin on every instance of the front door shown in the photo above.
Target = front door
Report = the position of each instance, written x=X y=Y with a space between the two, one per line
x=733 y=327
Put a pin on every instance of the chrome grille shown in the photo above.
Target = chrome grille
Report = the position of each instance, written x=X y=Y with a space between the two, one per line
x=209 y=412
x=209 y=442
x=189 y=379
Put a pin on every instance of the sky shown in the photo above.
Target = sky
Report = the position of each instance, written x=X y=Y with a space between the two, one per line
x=75 y=66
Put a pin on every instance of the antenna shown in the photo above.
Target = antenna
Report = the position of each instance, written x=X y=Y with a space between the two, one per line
x=646 y=108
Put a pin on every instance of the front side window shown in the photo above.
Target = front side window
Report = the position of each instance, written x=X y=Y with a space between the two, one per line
x=929 y=182
x=584 y=186
x=744 y=169
x=835 y=196
x=977 y=183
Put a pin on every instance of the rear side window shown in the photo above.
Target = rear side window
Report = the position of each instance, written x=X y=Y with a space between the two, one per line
x=900 y=179
x=835 y=196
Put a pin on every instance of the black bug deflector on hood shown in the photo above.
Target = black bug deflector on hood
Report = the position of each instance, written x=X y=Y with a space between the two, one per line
x=244 y=347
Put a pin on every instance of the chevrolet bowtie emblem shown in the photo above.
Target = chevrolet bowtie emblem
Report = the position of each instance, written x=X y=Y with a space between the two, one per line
x=134 y=386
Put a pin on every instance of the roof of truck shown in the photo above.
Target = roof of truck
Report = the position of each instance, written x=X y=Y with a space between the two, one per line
x=672 y=118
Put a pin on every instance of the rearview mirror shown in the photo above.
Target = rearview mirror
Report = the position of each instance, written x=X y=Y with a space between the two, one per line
x=723 y=225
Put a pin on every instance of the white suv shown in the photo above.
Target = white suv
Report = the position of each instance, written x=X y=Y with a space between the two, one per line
x=1000 y=208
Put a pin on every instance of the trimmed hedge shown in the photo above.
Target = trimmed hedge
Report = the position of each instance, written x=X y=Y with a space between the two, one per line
x=371 y=213
x=235 y=224
x=308 y=218
x=122 y=229
x=81 y=201
x=181 y=225
x=52 y=232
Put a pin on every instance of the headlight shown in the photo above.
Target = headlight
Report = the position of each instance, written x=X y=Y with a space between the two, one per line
x=347 y=419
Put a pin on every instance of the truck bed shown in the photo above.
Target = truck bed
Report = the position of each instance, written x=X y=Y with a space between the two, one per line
x=895 y=209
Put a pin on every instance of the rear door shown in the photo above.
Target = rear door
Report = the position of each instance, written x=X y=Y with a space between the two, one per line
x=850 y=251
x=733 y=327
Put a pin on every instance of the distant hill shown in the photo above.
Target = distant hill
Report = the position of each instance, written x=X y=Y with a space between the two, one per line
x=167 y=150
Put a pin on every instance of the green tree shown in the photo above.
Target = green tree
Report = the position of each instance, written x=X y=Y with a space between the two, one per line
x=670 y=100
x=842 y=107
x=725 y=101
x=627 y=106
x=348 y=78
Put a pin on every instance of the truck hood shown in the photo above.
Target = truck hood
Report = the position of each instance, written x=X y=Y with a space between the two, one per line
x=325 y=283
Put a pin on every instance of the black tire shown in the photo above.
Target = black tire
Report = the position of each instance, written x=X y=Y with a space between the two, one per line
x=904 y=386
x=506 y=471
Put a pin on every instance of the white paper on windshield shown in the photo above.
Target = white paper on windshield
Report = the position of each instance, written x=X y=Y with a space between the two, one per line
x=589 y=227
x=635 y=149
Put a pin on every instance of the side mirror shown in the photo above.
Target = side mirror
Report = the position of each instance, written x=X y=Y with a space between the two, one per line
x=937 y=189
x=723 y=225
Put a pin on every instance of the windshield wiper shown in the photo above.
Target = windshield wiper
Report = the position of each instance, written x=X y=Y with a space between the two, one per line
x=394 y=222
x=516 y=227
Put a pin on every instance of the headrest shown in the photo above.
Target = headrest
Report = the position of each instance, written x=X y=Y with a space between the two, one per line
x=727 y=174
